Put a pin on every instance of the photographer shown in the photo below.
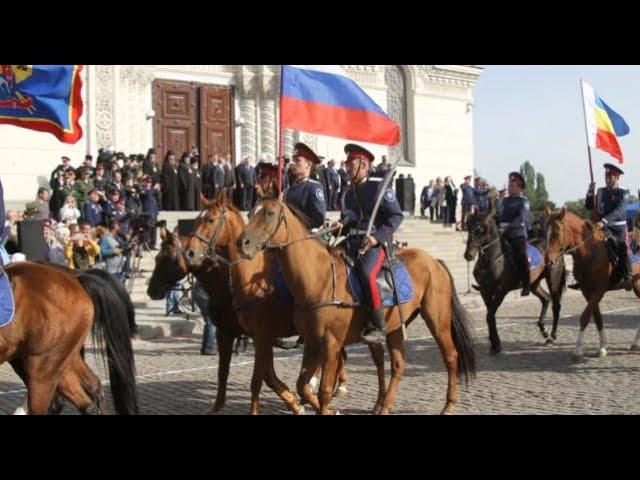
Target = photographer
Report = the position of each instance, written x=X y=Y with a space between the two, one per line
x=81 y=251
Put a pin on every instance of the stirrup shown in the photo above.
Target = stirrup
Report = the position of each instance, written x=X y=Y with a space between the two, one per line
x=374 y=336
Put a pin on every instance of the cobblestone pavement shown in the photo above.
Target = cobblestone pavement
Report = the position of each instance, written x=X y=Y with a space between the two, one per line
x=528 y=378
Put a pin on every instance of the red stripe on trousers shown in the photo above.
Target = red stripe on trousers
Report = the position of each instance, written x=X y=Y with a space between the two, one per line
x=373 y=281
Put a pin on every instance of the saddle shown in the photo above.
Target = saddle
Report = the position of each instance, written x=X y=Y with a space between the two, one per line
x=392 y=270
x=535 y=257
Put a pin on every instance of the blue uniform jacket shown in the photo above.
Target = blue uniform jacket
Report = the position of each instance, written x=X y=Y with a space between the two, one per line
x=611 y=207
x=481 y=198
x=149 y=201
x=514 y=216
x=468 y=197
x=308 y=197
x=358 y=205
x=93 y=213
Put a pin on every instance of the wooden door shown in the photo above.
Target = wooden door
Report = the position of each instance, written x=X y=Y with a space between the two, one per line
x=176 y=117
x=216 y=121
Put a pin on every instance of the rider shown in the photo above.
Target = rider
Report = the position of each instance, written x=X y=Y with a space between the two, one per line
x=358 y=205
x=305 y=194
x=513 y=220
x=611 y=207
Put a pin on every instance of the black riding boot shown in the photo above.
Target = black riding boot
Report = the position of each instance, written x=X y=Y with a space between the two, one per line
x=526 y=284
x=627 y=272
x=374 y=331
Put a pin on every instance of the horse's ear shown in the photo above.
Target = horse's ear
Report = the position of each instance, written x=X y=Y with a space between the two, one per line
x=204 y=201
x=223 y=198
x=163 y=234
x=168 y=236
x=547 y=211
x=562 y=214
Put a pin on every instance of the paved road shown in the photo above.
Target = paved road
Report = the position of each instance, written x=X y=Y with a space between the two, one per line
x=528 y=378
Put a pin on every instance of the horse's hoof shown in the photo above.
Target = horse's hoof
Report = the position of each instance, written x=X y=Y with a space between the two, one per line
x=495 y=351
x=215 y=409
x=577 y=356
x=300 y=410
x=549 y=342
x=341 y=392
x=337 y=412
x=635 y=348
x=602 y=353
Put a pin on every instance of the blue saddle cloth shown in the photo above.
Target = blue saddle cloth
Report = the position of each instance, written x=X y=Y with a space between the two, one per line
x=535 y=257
x=403 y=283
x=7 y=304
x=635 y=259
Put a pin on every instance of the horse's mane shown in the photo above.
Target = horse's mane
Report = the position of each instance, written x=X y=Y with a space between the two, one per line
x=299 y=215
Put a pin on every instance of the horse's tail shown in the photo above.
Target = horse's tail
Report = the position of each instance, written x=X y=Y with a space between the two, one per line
x=462 y=338
x=113 y=327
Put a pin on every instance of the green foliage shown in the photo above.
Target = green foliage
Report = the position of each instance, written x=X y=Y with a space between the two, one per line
x=536 y=190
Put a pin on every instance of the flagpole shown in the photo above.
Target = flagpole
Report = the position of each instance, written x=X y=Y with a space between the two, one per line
x=586 y=129
x=281 y=152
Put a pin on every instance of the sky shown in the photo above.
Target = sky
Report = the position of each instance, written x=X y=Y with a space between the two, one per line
x=534 y=113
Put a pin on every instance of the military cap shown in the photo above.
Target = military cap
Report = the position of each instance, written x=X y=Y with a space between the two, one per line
x=301 y=150
x=612 y=170
x=357 y=152
x=516 y=177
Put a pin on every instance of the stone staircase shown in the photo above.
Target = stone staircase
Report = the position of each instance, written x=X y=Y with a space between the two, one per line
x=444 y=244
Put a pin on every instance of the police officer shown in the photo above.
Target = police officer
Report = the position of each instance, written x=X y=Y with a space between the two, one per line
x=513 y=220
x=611 y=208
x=359 y=202
x=305 y=194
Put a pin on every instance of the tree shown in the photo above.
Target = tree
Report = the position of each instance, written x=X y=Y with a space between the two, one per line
x=536 y=190
x=578 y=208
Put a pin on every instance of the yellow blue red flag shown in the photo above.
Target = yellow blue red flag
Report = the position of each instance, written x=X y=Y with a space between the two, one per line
x=46 y=98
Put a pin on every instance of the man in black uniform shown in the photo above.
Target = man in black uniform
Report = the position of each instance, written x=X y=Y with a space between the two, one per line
x=611 y=209
x=513 y=221
x=359 y=202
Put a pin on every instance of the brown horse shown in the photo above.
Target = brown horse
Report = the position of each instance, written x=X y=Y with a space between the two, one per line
x=260 y=310
x=56 y=309
x=496 y=280
x=171 y=267
x=325 y=315
x=567 y=233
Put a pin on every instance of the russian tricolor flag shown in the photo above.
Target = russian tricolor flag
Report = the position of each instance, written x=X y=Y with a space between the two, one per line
x=604 y=126
x=323 y=99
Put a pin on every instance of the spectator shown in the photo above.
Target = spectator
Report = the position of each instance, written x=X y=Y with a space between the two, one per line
x=448 y=213
x=468 y=201
x=197 y=182
x=116 y=182
x=334 y=183
x=481 y=195
x=170 y=192
x=81 y=250
x=88 y=165
x=110 y=205
x=426 y=200
x=149 y=199
x=42 y=204
x=186 y=184
x=110 y=249
x=344 y=181
x=439 y=197
x=93 y=211
x=69 y=212
x=64 y=167
x=209 y=335
x=82 y=188
x=57 y=248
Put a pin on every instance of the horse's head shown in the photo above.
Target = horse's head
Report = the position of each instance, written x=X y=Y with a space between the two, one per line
x=211 y=231
x=266 y=226
x=171 y=266
x=554 y=233
x=482 y=231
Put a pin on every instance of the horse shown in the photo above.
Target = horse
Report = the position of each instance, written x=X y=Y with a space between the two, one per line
x=55 y=310
x=170 y=268
x=261 y=311
x=328 y=317
x=496 y=279
x=567 y=233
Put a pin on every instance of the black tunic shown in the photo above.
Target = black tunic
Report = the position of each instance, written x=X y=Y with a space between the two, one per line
x=186 y=187
x=170 y=194
x=197 y=181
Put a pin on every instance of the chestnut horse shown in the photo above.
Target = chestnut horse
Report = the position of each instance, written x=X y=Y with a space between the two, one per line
x=325 y=313
x=55 y=310
x=496 y=280
x=260 y=310
x=171 y=267
x=567 y=233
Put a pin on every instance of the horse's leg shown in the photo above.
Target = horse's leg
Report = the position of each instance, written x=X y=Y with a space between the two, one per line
x=258 y=375
x=556 y=285
x=342 y=375
x=92 y=386
x=377 y=354
x=225 y=339
x=584 y=322
x=492 y=308
x=544 y=297
x=597 y=316
x=331 y=359
x=41 y=393
x=70 y=386
x=281 y=389
x=310 y=364
x=636 y=343
x=395 y=344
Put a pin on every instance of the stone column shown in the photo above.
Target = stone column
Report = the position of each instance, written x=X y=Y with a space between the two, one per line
x=248 y=105
x=268 y=124
x=104 y=104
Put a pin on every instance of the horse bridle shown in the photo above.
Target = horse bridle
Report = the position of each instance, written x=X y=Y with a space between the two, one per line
x=210 y=253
